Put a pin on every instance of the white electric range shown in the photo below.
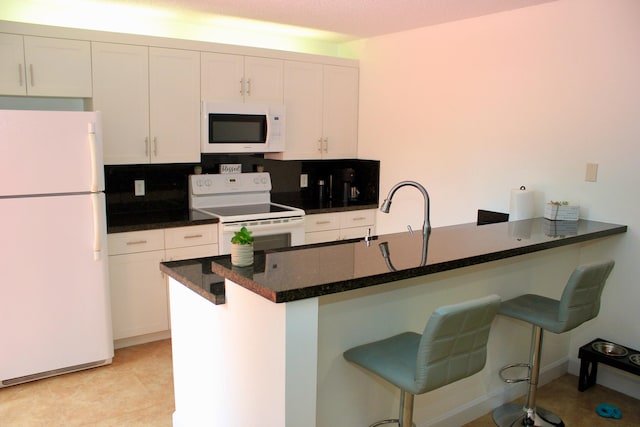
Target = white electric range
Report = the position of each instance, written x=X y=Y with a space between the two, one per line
x=244 y=199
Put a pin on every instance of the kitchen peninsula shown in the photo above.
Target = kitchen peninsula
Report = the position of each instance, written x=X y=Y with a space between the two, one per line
x=264 y=348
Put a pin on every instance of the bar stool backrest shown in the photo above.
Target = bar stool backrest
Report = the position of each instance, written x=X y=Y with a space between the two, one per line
x=581 y=296
x=454 y=343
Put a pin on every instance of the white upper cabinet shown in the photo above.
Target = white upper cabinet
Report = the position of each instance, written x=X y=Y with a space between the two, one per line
x=340 y=112
x=237 y=78
x=174 y=83
x=149 y=98
x=121 y=92
x=322 y=111
x=42 y=66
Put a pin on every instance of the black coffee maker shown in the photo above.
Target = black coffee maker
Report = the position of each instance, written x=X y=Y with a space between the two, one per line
x=345 y=178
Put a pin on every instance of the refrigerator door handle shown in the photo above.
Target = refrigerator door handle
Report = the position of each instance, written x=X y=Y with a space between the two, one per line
x=97 y=236
x=94 y=157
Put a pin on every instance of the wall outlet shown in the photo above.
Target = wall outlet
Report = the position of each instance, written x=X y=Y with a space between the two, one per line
x=304 y=180
x=138 y=187
x=592 y=172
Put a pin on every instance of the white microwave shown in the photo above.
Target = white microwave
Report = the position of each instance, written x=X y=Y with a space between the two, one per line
x=242 y=128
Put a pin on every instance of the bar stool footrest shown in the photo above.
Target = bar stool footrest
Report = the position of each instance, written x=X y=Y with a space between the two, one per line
x=515 y=380
x=515 y=415
x=389 y=421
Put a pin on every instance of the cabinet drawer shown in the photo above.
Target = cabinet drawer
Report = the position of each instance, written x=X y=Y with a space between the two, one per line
x=321 y=236
x=202 y=251
x=357 y=218
x=196 y=235
x=321 y=222
x=135 y=241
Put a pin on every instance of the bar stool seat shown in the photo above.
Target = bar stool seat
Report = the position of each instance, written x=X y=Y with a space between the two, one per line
x=452 y=346
x=580 y=302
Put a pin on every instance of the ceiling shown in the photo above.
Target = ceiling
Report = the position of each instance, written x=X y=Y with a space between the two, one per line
x=350 y=19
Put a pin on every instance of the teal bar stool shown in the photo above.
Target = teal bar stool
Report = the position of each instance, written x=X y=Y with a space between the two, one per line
x=453 y=346
x=580 y=302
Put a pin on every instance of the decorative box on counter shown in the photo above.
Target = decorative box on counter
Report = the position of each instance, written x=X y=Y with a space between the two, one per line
x=560 y=228
x=561 y=212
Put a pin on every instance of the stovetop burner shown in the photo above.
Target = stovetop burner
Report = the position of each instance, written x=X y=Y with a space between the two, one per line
x=258 y=210
x=237 y=197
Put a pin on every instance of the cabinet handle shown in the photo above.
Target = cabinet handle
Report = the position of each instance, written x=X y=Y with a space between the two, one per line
x=320 y=145
x=359 y=218
x=155 y=146
x=20 y=75
x=322 y=222
x=193 y=236
x=146 y=146
x=136 y=242
x=31 y=72
x=241 y=86
x=248 y=87
x=326 y=145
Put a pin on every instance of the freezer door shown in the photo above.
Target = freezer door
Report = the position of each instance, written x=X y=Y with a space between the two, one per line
x=54 y=286
x=50 y=152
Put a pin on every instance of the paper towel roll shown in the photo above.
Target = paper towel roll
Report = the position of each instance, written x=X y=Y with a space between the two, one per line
x=521 y=205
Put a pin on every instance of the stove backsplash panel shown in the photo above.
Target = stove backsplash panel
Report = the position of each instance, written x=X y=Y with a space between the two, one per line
x=165 y=185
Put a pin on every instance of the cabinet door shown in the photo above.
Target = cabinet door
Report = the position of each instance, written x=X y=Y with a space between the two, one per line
x=138 y=294
x=57 y=67
x=263 y=80
x=222 y=77
x=174 y=102
x=12 y=70
x=303 y=98
x=121 y=92
x=340 y=112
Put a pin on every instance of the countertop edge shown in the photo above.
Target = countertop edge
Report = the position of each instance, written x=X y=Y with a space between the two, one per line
x=216 y=298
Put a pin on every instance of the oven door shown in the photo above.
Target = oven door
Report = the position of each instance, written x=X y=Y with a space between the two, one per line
x=267 y=234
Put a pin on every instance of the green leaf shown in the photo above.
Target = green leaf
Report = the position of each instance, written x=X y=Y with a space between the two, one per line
x=242 y=237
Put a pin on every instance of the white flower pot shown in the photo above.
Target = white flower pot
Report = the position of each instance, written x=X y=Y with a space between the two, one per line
x=241 y=255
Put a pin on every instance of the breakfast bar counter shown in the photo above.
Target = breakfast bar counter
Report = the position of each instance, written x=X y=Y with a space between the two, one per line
x=262 y=345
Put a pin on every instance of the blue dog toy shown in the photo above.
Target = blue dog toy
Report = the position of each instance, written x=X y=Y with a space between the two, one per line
x=608 y=411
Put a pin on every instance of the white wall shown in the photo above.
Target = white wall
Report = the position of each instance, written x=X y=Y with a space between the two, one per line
x=474 y=108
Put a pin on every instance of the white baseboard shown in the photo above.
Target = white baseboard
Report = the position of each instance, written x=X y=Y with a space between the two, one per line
x=141 y=339
x=483 y=405
x=612 y=378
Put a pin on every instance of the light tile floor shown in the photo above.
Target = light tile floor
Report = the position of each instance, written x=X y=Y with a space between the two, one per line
x=576 y=408
x=137 y=390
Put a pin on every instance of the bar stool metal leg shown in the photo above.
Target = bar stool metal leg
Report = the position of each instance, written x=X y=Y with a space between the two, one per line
x=405 y=418
x=513 y=414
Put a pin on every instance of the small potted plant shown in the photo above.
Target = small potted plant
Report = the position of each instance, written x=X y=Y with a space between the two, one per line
x=242 y=248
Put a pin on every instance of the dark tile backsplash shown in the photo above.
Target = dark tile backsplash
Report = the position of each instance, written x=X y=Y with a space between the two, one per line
x=166 y=184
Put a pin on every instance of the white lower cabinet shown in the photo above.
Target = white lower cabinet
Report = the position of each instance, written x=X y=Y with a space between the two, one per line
x=138 y=294
x=139 y=297
x=329 y=227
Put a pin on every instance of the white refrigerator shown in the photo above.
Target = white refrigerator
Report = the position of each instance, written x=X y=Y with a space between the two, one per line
x=55 y=314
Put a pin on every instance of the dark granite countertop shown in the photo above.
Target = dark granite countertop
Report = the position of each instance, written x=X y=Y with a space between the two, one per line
x=309 y=271
x=181 y=217
x=150 y=220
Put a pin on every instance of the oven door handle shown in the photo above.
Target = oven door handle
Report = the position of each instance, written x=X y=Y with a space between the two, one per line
x=259 y=226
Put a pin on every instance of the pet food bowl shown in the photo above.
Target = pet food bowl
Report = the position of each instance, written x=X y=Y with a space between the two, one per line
x=609 y=348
